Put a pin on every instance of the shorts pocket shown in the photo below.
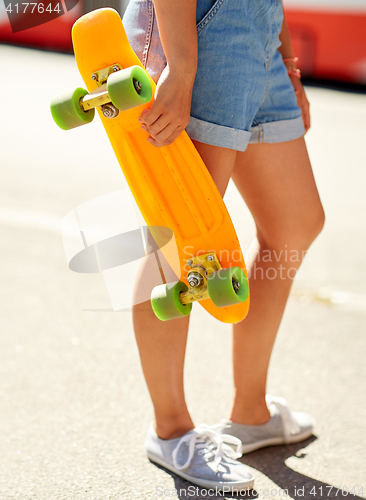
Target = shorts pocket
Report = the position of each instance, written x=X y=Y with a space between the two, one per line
x=209 y=15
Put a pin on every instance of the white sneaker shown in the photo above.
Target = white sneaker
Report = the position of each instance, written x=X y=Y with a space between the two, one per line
x=283 y=427
x=203 y=457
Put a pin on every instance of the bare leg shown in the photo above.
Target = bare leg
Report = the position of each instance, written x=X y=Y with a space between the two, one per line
x=278 y=186
x=162 y=344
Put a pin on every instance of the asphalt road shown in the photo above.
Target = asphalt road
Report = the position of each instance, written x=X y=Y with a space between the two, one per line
x=74 y=406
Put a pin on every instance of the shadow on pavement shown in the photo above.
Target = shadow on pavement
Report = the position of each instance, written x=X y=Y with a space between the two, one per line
x=188 y=491
x=270 y=462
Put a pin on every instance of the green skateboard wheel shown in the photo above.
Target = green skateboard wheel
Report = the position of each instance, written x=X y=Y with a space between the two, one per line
x=129 y=87
x=165 y=301
x=228 y=286
x=66 y=110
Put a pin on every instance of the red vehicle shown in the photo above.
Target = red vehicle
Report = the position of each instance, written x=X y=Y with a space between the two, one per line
x=329 y=36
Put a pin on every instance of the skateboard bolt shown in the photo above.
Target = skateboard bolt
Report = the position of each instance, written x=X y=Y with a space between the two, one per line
x=109 y=111
x=236 y=285
x=115 y=68
x=189 y=263
x=137 y=85
x=194 y=279
x=94 y=76
x=210 y=258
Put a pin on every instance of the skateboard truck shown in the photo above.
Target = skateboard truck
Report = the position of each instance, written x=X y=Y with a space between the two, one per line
x=100 y=96
x=118 y=89
x=201 y=266
x=207 y=280
x=101 y=76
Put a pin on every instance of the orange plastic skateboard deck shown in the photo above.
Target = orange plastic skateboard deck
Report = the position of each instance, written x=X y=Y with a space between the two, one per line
x=171 y=185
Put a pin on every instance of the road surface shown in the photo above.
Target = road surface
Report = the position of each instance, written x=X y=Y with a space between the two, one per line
x=74 y=406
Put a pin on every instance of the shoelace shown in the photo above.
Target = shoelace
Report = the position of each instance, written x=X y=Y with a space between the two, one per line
x=205 y=436
x=290 y=425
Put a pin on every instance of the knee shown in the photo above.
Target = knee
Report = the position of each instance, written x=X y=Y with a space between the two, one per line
x=320 y=221
x=297 y=234
x=310 y=228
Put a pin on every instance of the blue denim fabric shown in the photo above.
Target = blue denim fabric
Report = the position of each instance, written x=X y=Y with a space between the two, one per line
x=242 y=93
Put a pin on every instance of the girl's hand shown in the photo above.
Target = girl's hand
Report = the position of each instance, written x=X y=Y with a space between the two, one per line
x=302 y=101
x=170 y=112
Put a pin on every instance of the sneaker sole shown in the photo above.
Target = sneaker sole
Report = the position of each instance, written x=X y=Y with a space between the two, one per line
x=275 y=441
x=242 y=485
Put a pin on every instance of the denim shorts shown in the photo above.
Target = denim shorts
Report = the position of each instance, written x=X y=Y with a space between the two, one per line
x=242 y=93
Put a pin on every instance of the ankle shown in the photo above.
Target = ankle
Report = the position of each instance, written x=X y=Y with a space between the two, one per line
x=171 y=432
x=170 y=427
x=250 y=413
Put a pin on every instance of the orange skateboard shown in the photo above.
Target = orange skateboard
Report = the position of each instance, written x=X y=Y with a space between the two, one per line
x=171 y=185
